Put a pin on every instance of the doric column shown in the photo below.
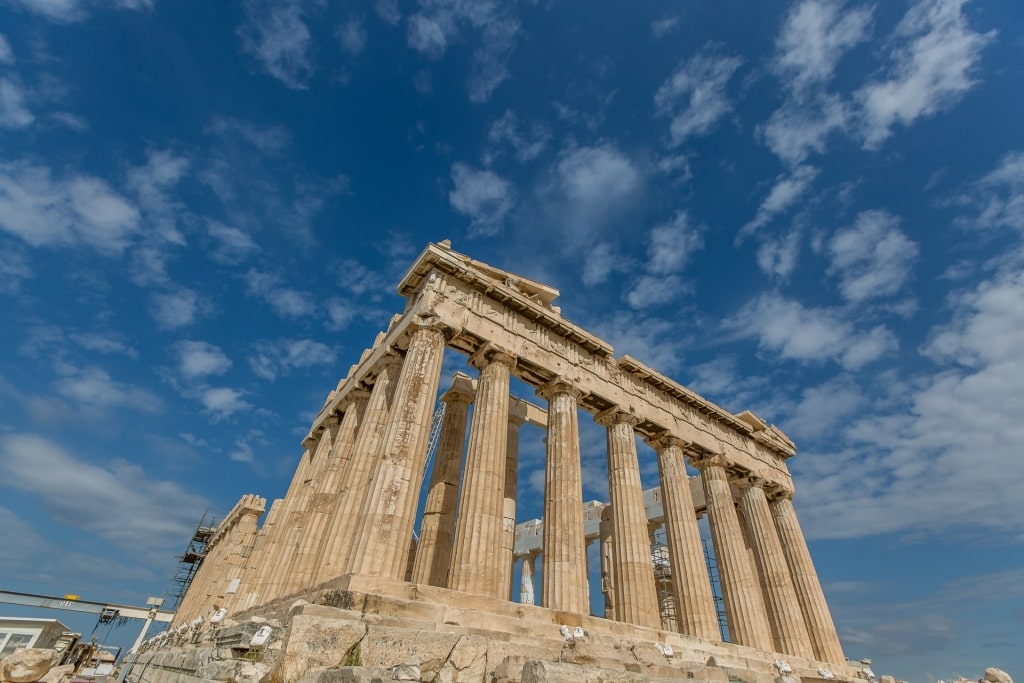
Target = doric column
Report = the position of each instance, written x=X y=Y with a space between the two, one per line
x=355 y=480
x=695 y=605
x=386 y=524
x=788 y=630
x=636 y=599
x=564 y=555
x=245 y=537
x=508 y=517
x=321 y=506
x=435 y=547
x=744 y=608
x=820 y=628
x=476 y=551
x=526 y=594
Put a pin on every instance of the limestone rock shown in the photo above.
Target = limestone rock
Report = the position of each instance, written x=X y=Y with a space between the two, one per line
x=994 y=675
x=58 y=673
x=407 y=671
x=886 y=679
x=539 y=671
x=26 y=665
x=252 y=672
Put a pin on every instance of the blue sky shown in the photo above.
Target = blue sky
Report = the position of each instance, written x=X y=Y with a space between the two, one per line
x=810 y=209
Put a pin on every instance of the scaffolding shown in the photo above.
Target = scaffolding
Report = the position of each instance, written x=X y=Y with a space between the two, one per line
x=716 y=589
x=663 y=580
x=189 y=562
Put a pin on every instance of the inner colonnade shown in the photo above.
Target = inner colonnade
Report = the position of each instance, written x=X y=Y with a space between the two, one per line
x=351 y=507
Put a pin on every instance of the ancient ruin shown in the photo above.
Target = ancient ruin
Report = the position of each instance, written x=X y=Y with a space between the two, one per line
x=339 y=581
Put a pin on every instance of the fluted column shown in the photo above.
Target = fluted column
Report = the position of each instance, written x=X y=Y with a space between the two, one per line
x=748 y=624
x=321 y=505
x=636 y=599
x=435 y=547
x=817 y=617
x=564 y=555
x=355 y=480
x=385 y=531
x=508 y=516
x=476 y=551
x=526 y=593
x=787 y=623
x=695 y=605
x=245 y=538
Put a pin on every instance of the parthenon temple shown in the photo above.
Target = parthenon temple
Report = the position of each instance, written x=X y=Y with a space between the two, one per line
x=401 y=518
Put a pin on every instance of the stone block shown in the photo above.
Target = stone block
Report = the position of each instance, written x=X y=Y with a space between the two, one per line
x=350 y=674
x=387 y=647
x=26 y=665
x=539 y=671
x=408 y=671
x=317 y=642
x=994 y=675
x=887 y=679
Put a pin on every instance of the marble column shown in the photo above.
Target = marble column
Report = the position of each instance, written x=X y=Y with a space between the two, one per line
x=435 y=547
x=476 y=552
x=741 y=591
x=564 y=555
x=508 y=517
x=787 y=623
x=636 y=598
x=820 y=628
x=526 y=574
x=351 y=491
x=305 y=566
x=382 y=543
x=695 y=605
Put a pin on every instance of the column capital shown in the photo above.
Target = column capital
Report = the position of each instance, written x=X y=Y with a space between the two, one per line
x=702 y=461
x=432 y=323
x=355 y=395
x=490 y=353
x=615 y=415
x=456 y=395
x=664 y=440
x=558 y=385
x=751 y=482
x=778 y=492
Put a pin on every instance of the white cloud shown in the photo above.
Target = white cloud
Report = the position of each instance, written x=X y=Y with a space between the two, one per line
x=54 y=10
x=198 y=359
x=694 y=96
x=483 y=196
x=14 y=114
x=655 y=290
x=104 y=343
x=439 y=23
x=815 y=36
x=1000 y=194
x=270 y=140
x=872 y=258
x=823 y=408
x=233 y=245
x=934 y=56
x=598 y=263
x=787 y=190
x=147 y=515
x=94 y=389
x=652 y=340
x=388 y=11
x=777 y=257
x=47 y=212
x=662 y=27
x=14 y=268
x=797 y=129
x=527 y=143
x=672 y=244
x=275 y=34
x=352 y=35
x=276 y=358
x=794 y=332
x=151 y=183
x=593 y=186
x=907 y=453
x=173 y=310
x=286 y=302
x=6 y=53
x=222 y=402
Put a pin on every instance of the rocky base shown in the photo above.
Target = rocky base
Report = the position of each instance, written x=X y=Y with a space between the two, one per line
x=361 y=630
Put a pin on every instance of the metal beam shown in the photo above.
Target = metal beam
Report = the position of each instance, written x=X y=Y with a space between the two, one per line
x=76 y=605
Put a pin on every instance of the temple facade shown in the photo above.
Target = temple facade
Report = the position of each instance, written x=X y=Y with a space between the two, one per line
x=349 y=517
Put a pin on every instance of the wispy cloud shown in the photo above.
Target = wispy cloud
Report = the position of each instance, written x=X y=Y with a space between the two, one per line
x=872 y=258
x=352 y=35
x=14 y=112
x=483 y=196
x=694 y=97
x=285 y=301
x=198 y=359
x=273 y=359
x=788 y=188
x=809 y=335
x=670 y=247
x=527 y=142
x=95 y=389
x=276 y=36
x=175 y=309
x=934 y=59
